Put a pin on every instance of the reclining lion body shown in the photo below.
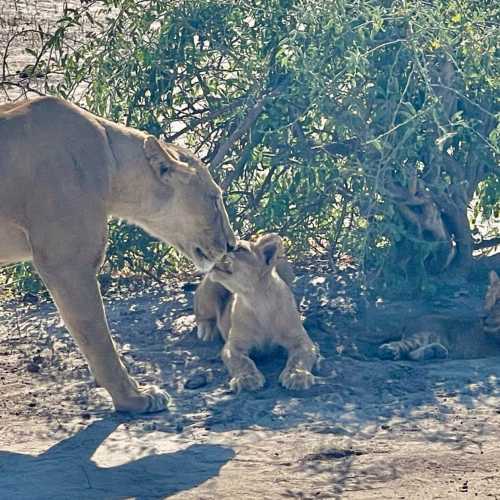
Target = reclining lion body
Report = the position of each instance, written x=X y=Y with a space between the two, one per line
x=459 y=336
x=63 y=172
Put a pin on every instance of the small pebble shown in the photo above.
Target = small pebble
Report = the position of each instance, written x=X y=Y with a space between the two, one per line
x=196 y=381
x=33 y=367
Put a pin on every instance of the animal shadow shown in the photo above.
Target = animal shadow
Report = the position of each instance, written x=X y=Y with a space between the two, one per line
x=67 y=471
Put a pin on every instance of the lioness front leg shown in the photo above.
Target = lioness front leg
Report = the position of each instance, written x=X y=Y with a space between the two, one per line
x=77 y=296
x=244 y=373
x=302 y=356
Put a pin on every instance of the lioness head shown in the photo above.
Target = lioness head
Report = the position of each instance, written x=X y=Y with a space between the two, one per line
x=244 y=269
x=187 y=210
x=492 y=306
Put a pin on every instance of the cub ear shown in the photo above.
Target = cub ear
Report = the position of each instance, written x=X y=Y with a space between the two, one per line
x=270 y=247
x=164 y=161
x=494 y=279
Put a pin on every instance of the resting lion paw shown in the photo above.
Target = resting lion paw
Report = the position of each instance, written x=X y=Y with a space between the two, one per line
x=247 y=381
x=297 y=379
x=428 y=352
x=151 y=399
x=391 y=350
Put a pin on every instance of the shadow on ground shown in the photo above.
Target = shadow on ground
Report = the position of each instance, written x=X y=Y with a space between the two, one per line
x=67 y=471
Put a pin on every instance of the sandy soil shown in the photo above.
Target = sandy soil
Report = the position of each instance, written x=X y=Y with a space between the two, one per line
x=368 y=429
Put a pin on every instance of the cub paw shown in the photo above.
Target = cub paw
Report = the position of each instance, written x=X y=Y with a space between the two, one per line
x=247 y=381
x=150 y=399
x=207 y=331
x=391 y=350
x=296 y=379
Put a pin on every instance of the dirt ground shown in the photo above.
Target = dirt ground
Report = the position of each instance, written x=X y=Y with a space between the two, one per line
x=369 y=429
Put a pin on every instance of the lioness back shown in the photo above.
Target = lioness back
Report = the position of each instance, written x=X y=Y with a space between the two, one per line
x=37 y=155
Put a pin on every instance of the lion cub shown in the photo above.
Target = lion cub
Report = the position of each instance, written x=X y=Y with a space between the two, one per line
x=247 y=298
x=434 y=336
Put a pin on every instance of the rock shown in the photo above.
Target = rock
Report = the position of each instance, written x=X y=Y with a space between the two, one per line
x=196 y=381
x=33 y=367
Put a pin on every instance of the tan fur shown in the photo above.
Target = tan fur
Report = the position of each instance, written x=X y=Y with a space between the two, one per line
x=439 y=336
x=211 y=297
x=247 y=300
x=63 y=171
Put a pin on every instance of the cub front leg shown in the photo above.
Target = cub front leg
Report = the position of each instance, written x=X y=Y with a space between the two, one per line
x=302 y=356
x=244 y=373
x=76 y=293
x=207 y=330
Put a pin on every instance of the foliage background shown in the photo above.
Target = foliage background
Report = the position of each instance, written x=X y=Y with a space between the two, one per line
x=360 y=130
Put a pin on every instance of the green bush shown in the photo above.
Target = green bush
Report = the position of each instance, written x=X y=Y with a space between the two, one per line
x=360 y=128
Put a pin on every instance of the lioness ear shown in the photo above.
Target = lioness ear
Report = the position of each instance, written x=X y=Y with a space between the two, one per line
x=164 y=162
x=270 y=248
x=494 y=279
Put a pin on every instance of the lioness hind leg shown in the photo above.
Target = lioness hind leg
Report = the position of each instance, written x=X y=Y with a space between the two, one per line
x=302 y=356
x=77 y=296
x=244 y=373
x=435 y=350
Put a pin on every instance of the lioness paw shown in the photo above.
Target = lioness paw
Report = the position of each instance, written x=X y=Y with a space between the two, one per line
x=297 y=379
x=151 y=399
x=207 y=331
x=247 y=381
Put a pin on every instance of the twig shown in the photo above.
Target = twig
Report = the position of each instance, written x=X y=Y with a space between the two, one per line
x=242 y=128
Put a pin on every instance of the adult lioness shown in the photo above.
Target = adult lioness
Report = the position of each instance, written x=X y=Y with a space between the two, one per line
x=63 y=171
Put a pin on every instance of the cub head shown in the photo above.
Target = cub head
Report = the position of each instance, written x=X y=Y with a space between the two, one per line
x=186 y=207
x=491 y=322
x=249 y=264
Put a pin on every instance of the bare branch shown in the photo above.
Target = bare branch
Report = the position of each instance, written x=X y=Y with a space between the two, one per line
x=211 y=115
x=242 y=128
